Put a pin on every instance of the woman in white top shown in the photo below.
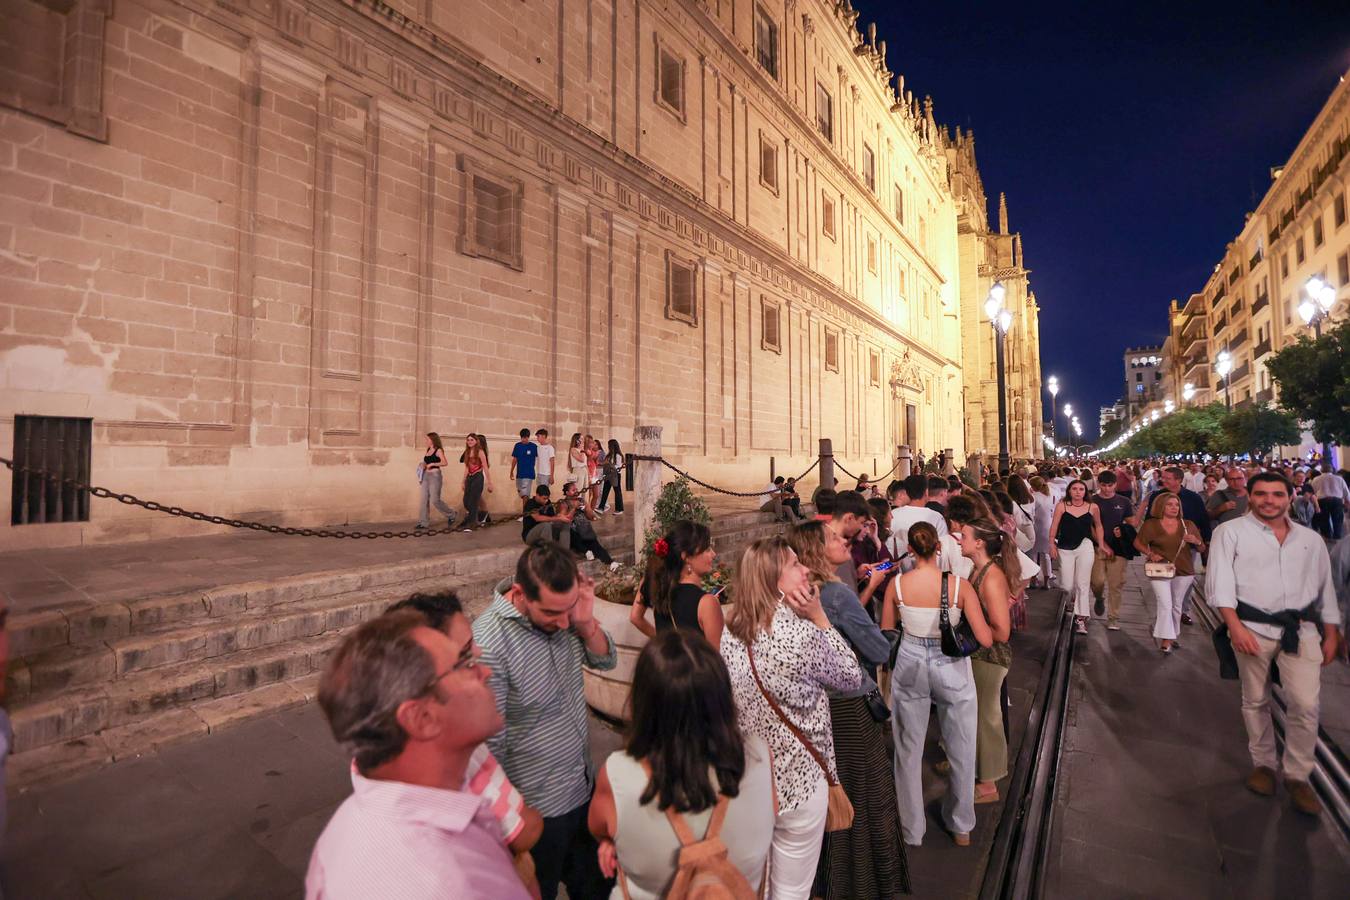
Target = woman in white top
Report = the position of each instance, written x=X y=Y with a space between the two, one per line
x=684 y=754
x=777 y=635
x=924 y=676
x=1041 y=518
x=578 y=469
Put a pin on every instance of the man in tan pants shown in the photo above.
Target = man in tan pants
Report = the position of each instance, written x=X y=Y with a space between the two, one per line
x=1270 y=578
x=1108 y=570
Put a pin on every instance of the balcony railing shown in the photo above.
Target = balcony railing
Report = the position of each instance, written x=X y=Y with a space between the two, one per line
x=1265 y=396
x=1240 y=338
x=1261 y=303
x=1261 y=349
x=1220 y=324
x=1239 y=373
x=1256 y=258
x=1199 y=360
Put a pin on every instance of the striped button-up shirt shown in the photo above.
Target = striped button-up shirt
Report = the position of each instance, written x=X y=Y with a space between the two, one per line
x=1248 y=563
x=392 y=839
x=536 y=677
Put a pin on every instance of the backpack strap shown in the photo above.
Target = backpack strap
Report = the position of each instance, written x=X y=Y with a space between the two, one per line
x=681 y=825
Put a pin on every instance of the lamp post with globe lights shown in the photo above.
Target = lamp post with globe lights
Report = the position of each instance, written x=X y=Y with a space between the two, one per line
x=1187 y=392
x=1223 y=364
x=1052 y=385
x=1000 y=317
x=1316 y=306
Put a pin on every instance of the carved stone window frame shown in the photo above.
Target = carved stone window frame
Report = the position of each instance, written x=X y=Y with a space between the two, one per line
x=767 y=144
x=675 y=261
x=830 y=349
x=770 y=310
x=766 y=46
x=824 y=112
x=869 y=167
x=663 y=50
x=80 y=79
x=873 y=253
x=873 y=367
x=514 y=255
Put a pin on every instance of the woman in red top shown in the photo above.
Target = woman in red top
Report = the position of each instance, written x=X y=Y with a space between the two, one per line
x=477 y=474
x=592 y=447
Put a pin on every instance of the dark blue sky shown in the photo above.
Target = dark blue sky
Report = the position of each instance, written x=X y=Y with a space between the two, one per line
x=1130 y=140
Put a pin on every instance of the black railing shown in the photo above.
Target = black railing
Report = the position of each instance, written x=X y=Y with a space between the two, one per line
x=1261 y=349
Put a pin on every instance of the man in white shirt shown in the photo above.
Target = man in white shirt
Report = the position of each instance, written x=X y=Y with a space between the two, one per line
x=1332 y=498
x=543 y=463
x=1059 y=484
x=905 y=517
x=1194 y=479
x=1270 y=579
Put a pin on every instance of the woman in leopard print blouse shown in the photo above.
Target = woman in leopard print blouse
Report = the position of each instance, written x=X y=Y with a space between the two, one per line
x=778 y=627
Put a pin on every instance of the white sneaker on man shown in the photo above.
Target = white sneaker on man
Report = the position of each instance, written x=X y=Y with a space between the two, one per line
x=614 y=566
x=590 y=554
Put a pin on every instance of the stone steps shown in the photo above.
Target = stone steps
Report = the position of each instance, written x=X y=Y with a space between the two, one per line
x=142 y=673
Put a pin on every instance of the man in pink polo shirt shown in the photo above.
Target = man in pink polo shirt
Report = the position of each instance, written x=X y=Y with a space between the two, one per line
x=411 y=704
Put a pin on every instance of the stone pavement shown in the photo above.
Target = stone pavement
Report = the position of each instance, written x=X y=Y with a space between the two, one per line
x=1150 y=801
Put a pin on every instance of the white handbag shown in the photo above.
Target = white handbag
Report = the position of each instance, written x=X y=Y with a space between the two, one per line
x=1166 y=569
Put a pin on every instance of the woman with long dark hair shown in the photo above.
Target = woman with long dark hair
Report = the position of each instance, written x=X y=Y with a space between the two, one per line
x=684 y=759
x=868 y=859
x=673 y=585
x=477 y=475
x=433 y=462
x=613 y=475
x=1077 y=533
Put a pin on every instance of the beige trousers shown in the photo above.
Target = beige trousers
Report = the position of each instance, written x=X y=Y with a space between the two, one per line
x=1301 y=681
x=1108 y=576
x=991 y=745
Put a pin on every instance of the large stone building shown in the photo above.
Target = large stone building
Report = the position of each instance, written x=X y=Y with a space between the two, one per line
x=254 y=249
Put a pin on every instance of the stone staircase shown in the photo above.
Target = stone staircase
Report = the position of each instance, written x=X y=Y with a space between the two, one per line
x=125 y=678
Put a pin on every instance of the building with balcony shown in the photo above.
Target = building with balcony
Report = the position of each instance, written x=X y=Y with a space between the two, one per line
x=1143 y=378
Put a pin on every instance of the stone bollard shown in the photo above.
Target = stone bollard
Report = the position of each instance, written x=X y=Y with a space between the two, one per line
x=948 y=466
x=646 y=483
x=826 y=463
x=906 y=462
x=975 y=468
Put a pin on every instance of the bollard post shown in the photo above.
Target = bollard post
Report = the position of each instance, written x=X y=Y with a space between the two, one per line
x=974 y=467
x=646 y=483
x=948 y=466
x=906 y=462
x=826 y=463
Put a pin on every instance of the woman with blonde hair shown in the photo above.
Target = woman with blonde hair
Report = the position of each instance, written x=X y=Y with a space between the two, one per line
x=867 y=860
x=996 y=581
x=1163 y=539
x=576 y=464
x=783 y=655
x=430 y=472
x=925 y=676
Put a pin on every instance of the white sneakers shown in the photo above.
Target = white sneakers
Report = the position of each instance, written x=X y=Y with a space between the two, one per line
x=614 y=566
x=590 y=554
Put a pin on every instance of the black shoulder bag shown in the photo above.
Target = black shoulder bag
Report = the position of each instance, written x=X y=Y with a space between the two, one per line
x=959 y=641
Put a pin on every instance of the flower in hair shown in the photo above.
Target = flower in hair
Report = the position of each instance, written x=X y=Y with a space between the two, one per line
x=661 y=548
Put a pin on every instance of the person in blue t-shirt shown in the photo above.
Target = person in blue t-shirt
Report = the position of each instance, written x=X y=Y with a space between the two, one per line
x=523 y=456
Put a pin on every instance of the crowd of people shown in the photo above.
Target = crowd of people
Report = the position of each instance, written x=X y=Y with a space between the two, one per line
x=775 y=748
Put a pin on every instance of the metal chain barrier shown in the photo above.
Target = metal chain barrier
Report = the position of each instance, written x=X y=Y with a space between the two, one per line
x=712 y=487
x=132 y=500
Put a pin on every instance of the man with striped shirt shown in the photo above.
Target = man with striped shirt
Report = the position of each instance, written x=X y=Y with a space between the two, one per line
x=537 y=633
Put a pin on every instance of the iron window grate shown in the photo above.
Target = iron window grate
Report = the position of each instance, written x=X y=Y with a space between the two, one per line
x=61 y=447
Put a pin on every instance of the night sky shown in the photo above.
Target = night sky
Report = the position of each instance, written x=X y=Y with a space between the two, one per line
x=1130 y=140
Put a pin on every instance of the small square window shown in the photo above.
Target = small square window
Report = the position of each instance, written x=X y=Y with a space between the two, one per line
x=492 y=216
x=869 y=172
x=1338 y=209
x=766 y=42
x=899 y=204
x=1317 y=231
x=831 y=350
x=871 y=254
x=827 y=214
x=874 y=368
x=770 y=325
x=681 y=289
x=824 y=112
x=669 y=80
x=768 y=163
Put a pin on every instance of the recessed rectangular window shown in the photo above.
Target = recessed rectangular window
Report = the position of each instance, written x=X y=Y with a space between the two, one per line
x=770 y=325
x=869 y=164
x=899 y=204
x=768 y=163
x=1343 y=269
x=1284 y=265
x=1298 y=250
x=1317 y=231
x=824 y=112
x=766 y=42
x=871 y=254
x=831 y=350
x=60 y=447
x=874 y=368
x=492 y=216
x=681 y=289
x=827 y=214
x=669 y=80
x=1338 y=209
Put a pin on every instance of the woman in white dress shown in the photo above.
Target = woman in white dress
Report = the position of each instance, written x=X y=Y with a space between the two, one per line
x=1043 y=513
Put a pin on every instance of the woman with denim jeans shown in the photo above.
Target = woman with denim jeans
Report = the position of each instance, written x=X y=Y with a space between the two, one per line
x=924 y=676
x=433 y=461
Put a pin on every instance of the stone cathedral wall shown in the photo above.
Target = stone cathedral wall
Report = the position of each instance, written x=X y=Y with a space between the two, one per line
x=265 y=245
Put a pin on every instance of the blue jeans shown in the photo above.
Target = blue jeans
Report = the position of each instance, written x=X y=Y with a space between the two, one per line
x=924 y=675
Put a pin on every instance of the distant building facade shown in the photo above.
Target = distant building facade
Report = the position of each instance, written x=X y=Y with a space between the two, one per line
x=1143 y=378
x=256 y=250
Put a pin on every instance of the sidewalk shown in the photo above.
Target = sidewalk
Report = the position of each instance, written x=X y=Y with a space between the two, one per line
x=1150 y=801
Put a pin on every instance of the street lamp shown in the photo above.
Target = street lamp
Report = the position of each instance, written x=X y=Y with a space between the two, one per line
x=1222 y=366
x=1168 y=406
x=1053 y=387
x=1187 y=392
x=1001 y=319
x=1316 y=306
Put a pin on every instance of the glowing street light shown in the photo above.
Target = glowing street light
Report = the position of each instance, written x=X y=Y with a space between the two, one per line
x=1168 y=406
x=1187 y=392
x=1316 y=306
x=1052 y=385
x=1222 y=366
x=1000 y=318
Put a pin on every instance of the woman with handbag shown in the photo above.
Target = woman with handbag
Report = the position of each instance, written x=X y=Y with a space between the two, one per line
x=783 y=655
x=997 y=571
x=942 y=624
x=1077 y=533
x=1163 y=539
x=686 y=776
x=867 y=860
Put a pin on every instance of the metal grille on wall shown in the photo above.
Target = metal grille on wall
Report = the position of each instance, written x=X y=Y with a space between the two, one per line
x=62 y=447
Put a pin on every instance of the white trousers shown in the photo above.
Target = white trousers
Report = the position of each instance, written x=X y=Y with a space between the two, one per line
x=797 y=835
x=1075 y=575
x=1170 y=593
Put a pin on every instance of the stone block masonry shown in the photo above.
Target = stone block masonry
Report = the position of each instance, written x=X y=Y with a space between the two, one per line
x=266 y=245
